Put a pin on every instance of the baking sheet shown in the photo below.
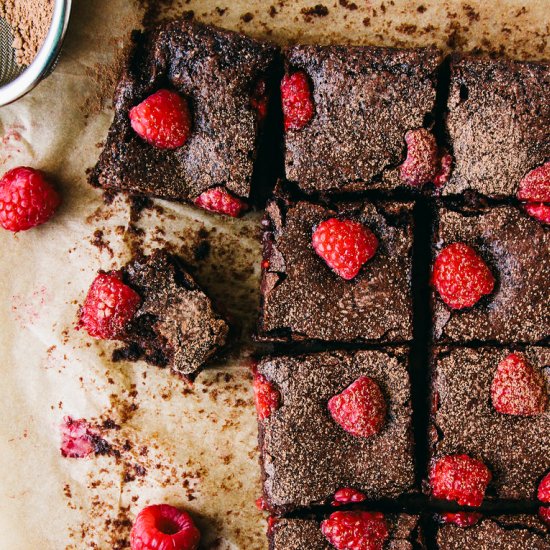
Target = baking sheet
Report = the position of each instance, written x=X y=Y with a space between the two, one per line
x=193 y=446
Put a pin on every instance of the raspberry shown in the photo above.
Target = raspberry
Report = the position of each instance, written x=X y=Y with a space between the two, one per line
x=218 y=199
x=543 y=493
x=535 y=186
x=544 y=514
x=259 y=99
x=442 y=177
x=517 y=388
x=261 y=504
x=163 y=527
x=539 y=211
x=297 y=100
x=108 y=307
x=266 y=397
x=460 y=478
x=76 y=438
x=461 y=276
x=356 y=530
x=462 y=519
x=345 y=245
x=360 y=409
x=26 y=199
x=271 y=521
x=163 y=120
x=347 y=495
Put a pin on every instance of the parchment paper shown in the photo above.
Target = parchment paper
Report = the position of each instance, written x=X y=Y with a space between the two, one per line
x=193 y=446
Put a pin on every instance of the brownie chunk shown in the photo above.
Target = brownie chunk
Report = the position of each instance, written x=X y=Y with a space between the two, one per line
x=517 y=250
x=516 y=449
x=365 y=100
x=302 y=298
x=306 y=456
x=176 y=325
x=498 y=123
x=217 y=72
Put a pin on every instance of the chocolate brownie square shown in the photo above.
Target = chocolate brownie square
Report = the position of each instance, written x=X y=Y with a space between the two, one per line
x=303 y=299
x=516 y=249
x=365 y=100
x=218 y=72
x=498 y=123
x=516 y=449
x=306 y=456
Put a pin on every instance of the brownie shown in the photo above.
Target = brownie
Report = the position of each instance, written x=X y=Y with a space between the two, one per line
x=303 y=299
x=176 y=324
x=517 y=250
x=516 y=449
x=366 y=98
x=305 y=534
x=498 y=123
x=306 y=456
x=217 y=71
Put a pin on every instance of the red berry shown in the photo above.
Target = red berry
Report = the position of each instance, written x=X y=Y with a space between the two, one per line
x=544 y=514
x=108 y=307
x=462 y=519
x=422 y=162
x=539 y=211
x=347 y=495
x=535 y=186
x=461 y=276
x=259 y=99
x=360 y=409
x=345 y=245
x=163 y=120
x=163 y=527
x=460 y=478
x=297 y=100
x=218 y=199
x=76 y=438
x=517 y=388
x=543 y=493
x=26 y=199
x=356 y=530
x=444 y=173
x=266 y=397
x=271 y=521
x=261 y=504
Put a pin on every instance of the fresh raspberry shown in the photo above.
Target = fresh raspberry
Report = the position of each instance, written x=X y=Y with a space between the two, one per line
x=297 y=100
x=259 y=99
x=535 y=186
x=345 y=245
x=26 y=199
x=356 y=530
x=444 y=173
x=461 y=276
x=347 y=495
x=543 y=493
x=360 y=409
x=271 y=521
x=163 y=120
x=544 y=514
x=76 y=438
x=163 y=527
x=218 y=199
x=261 y=504
x=518 y=388
x=108 y=307
x=460 y=478
x=266 y=397
x=539 y=211
x=462 y=519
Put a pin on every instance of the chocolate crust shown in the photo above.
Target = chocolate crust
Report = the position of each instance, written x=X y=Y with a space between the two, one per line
x=498 y=123
x=516 y=449
x=303 y=299
x=306 y=457
x=216 y=70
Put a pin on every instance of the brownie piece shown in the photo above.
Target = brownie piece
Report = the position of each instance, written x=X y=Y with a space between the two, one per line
x=515 y=448
x=217 y=71
x=517 y=250
x=302 y=298
x=498 y=123
x=176 y=324
x=366 y=98
x=305 y=534
x=306 y=456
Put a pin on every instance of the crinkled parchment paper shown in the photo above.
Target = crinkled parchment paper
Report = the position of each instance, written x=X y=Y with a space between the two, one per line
x=193 y=446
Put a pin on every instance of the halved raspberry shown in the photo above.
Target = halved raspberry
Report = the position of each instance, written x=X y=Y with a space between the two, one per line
x=164 y=527
x=462 y=519
x=266 y=396
x=356 y=530
x=259 y=99
x=543 y=493
x=218 y=199
x=517 y=388
x=360 y=409
x=460 y=478
x=108 y=307
x=347 y=495
x=535 y=186
x=297 y=100
x=345 y=245
x=539 y=211
x=163 y=120
x=76 y=438
x=461 y=276
x=26 y=199
x=544 y=514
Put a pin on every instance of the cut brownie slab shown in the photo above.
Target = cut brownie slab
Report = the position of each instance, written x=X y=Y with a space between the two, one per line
x=493 y=407
x=303 y=298
x=307 y=450
x=516 y=249
x=222 y=76
x=365 y=99
x=498 y=123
